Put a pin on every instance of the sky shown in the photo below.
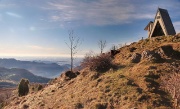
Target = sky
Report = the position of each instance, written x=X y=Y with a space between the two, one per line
x=40 y=27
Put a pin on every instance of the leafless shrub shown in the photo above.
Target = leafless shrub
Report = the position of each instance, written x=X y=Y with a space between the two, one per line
x=101 y=63
x=171 y=83
x=87 y=59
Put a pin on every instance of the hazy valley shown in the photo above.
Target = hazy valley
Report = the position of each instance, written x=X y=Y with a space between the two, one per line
x=49 y=70
x=11 y=77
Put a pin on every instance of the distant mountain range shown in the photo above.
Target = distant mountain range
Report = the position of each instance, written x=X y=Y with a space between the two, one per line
x=49 y=70
x=11 y=77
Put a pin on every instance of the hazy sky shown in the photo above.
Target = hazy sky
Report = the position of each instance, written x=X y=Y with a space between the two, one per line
x=40 y=27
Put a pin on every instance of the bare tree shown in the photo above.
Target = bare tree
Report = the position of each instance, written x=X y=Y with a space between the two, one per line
x=114 y=47
x=102 y=45
x=171 y=83
x=74 y=42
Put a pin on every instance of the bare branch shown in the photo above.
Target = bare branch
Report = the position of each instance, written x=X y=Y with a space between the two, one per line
x=68 y=45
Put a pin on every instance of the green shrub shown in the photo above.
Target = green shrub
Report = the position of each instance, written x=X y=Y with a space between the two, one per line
x=23 y=87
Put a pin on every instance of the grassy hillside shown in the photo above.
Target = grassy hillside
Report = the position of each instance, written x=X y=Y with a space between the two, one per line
x=135 y=84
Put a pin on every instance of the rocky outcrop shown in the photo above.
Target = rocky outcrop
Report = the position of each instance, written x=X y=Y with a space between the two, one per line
x=168 y=52
x=136 y=58
x=156 y=55
x=151 y=56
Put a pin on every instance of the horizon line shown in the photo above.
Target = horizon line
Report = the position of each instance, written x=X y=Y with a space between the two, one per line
x=65 y=56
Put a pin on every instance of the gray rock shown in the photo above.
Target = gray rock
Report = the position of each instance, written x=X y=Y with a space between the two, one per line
x=151 y=56
x=136 y=58
x=68 y=75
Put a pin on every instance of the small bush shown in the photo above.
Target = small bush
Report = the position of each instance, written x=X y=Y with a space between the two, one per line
x=101 y=63
x=23 y=87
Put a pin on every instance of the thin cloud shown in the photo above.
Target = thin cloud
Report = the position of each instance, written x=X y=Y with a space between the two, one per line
x=93 y=12
x=13 y=15
x=101 y=12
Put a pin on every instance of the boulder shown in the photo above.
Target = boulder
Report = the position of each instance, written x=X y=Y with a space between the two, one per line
x=132 y=49
x=136 y=58
x=68 y=75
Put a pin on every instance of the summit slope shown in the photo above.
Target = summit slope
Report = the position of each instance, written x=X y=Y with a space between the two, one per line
x=136 y=84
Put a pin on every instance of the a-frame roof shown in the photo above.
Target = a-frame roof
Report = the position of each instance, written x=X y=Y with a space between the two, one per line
x=162 y=24
x=167 y=21
x=148 y=25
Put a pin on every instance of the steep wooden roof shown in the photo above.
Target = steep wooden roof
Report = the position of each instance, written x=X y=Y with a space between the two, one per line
x=146 y=28
x=162 y=24
x=167 y=21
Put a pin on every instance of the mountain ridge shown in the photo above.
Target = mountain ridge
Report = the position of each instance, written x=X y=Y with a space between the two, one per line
x=49 y=70
x=11 y=77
